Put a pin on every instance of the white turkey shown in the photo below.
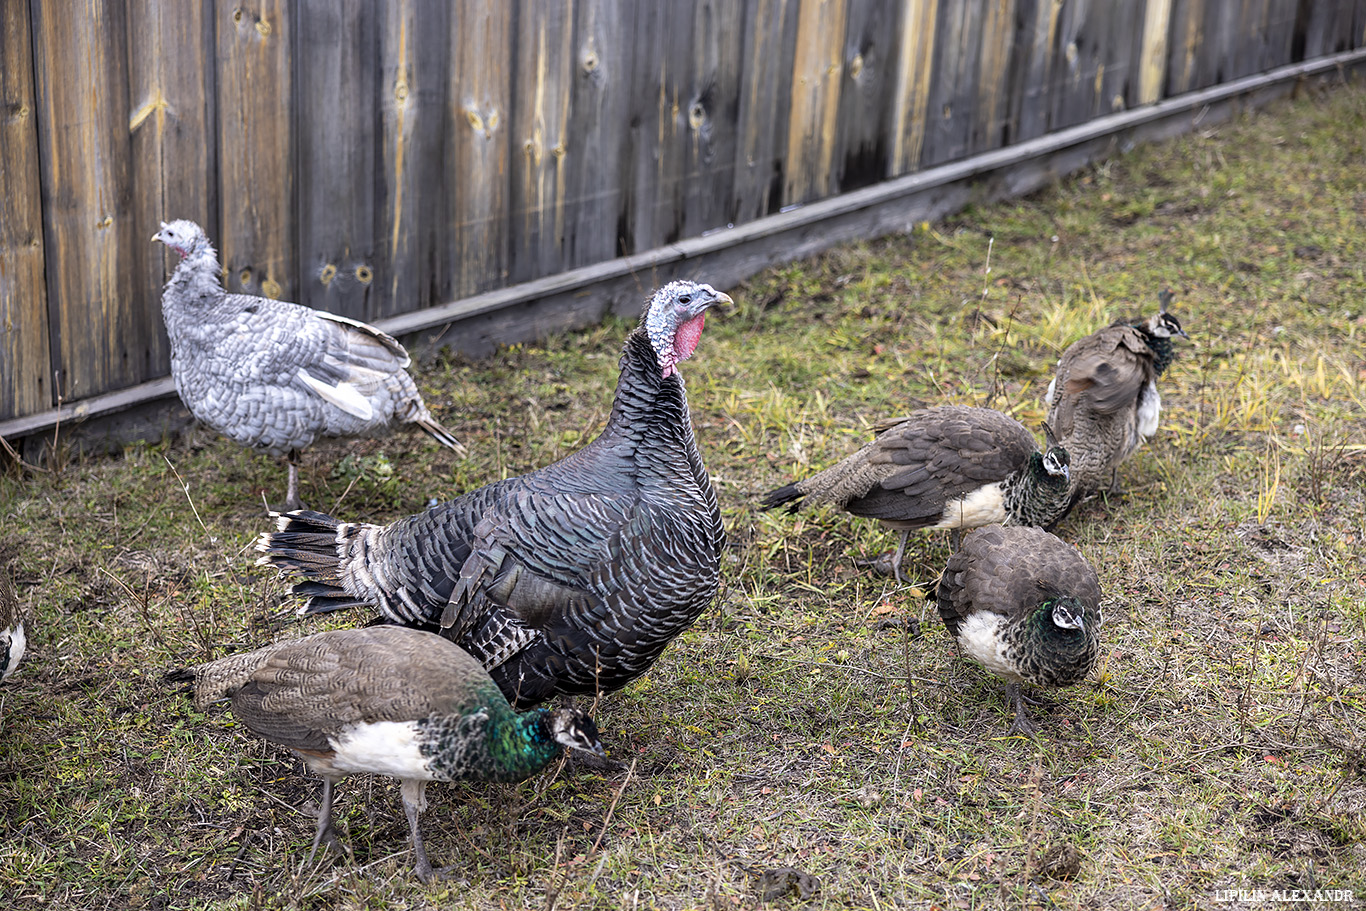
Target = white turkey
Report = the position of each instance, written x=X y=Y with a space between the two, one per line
x=571 y=579
x=273 y=375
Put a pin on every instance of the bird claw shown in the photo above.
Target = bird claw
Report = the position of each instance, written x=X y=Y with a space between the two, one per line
x=883 y=564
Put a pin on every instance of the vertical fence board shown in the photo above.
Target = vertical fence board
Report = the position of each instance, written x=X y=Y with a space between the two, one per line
x=171 y=125
x=599 y=109
x=99 y=343
x=1031 y=69
x=337 y=71
x=992 y=108
x=760 y=157
x=479 y=111
x=25 y=360
x=707 y=119
x=914 y=81
x=654 y=171
x=1188 y=33
x=1281 y=33
x=257 y=241
x=817 y=68
x=1152 y=57
x=953 y=87
x=862 y=152
x=542 y=86
x=413 y=53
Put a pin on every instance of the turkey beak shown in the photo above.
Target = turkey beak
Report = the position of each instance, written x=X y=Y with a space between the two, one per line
x=157 y=236
x=721 y=298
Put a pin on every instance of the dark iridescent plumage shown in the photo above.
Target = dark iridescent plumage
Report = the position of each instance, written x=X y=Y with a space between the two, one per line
x=571 y=579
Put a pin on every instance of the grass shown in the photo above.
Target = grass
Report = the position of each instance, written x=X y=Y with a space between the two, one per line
x=817 y=717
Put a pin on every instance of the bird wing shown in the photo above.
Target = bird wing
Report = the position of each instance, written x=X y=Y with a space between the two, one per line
x=1106 y=369
x=540 y=556
x=303 y=691
x=939 y=455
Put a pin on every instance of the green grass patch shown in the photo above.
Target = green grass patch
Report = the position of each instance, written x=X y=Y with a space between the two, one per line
x=817 y=717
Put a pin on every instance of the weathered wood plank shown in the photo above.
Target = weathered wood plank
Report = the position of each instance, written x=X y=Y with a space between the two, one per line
x=953 y=91
x=414 y=55
x=1187 y=36
x=817 y=71
x=914 y=82
x=256 y=173
x=100 y=342
x=1152 y=63
x=770 y=31
x=479 y=115
x=862 y=151
x=708 y=133
x=543 y=79
x=1031 y=69
x=337 y=66
x=173 y=151
x=991 y=113
x=25 y=359
x=599 y=108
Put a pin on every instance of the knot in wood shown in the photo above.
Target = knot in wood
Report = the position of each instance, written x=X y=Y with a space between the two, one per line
x=328 y=273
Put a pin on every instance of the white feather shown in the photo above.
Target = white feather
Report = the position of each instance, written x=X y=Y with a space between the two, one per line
x=1048 y=396
x=983 y=506
x=979 y=637
x=15 y=634
x=382 y=748
x=343 y=395
x=1149 y=410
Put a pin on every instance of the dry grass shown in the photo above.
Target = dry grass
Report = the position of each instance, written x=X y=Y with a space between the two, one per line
x=817 y=718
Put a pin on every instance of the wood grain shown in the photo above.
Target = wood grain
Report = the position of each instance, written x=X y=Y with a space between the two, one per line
x=171 y=127
x=25 y=361
x=413 y=53
x=817 y=72
x=770 y=36
x=479 y=102
x=914 y=81
x=337 y=50
x=543 y=80
x=99 y=341
x=257 y=242
x=599 y=109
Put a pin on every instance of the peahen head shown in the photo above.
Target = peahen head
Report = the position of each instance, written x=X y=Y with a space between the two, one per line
x=1067 y=612
x=1163 y=324
x=1054 y=459
x=573 y=729
x=673 y=319
x=186 y=238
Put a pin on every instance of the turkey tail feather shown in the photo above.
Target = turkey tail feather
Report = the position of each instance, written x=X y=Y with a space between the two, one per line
x=441 y=434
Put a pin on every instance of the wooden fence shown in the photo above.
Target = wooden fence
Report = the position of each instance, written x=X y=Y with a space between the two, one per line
x=378 y=157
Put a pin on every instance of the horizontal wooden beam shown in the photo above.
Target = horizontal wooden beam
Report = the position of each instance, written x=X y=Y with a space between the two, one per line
x=477 y=324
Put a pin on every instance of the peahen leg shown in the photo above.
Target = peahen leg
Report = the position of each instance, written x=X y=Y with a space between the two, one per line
x=414 y=802
x=1021 y=724
x=325 y=831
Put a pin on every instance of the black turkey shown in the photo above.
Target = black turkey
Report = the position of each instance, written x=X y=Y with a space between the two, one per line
x=273 y=375
x=571 y=579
